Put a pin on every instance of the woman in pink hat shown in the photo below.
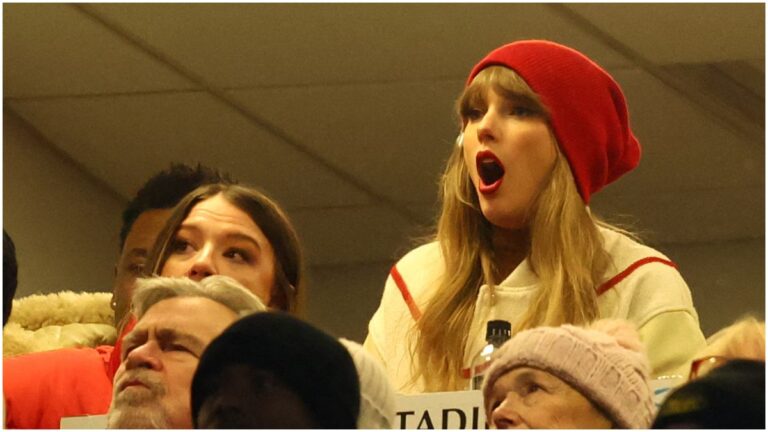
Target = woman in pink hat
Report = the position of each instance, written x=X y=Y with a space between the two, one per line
x=543 y=128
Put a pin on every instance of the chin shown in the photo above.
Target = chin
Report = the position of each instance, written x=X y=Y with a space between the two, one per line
x=504 y=220
x=137 y=418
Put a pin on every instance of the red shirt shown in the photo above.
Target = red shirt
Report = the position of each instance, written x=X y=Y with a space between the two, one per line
x=41 y=388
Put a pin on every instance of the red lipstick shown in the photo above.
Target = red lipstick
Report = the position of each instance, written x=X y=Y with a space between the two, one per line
x=490 y=171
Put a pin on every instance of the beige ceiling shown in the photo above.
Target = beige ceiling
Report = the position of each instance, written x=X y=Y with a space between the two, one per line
x=342 y=112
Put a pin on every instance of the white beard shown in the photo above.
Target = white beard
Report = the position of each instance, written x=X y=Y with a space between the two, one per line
x=150 y=417
x=138 y=409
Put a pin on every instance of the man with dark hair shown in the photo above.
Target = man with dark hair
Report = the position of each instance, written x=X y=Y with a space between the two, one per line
x=42 y=388
x=143 y=219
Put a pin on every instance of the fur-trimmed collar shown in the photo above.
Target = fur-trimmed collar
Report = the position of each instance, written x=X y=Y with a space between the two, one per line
x=42 y=322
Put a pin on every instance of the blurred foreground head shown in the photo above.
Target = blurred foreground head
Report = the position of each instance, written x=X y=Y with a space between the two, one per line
x=274 y=371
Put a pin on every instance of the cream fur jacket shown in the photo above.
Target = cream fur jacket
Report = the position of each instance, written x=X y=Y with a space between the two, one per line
x=42 y=322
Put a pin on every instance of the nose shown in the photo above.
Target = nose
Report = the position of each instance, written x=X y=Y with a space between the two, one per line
x=144 y=356
x=203 y=265
x=487 y=126
x=506 y=415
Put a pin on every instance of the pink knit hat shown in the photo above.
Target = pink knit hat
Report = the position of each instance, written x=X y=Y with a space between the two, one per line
x=587 y=108
x=604 y=362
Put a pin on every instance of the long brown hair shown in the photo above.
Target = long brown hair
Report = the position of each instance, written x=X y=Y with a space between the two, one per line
x=564 y=249
x=267 y=215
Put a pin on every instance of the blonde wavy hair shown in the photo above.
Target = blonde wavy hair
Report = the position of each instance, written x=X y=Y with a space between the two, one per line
x=564 y=248
x=745 y=339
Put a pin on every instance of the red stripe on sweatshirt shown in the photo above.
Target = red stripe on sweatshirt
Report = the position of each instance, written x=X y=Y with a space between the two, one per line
x=415 y=312
x=621 y=276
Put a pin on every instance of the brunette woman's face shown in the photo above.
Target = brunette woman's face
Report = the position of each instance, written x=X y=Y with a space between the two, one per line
x=509 y=152
x=218 y=238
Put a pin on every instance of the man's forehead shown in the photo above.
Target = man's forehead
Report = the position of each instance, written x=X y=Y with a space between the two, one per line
x=184 y=314
x=145 y=229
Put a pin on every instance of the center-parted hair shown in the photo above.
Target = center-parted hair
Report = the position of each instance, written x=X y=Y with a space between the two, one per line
x=270 y=219
x=164 y=189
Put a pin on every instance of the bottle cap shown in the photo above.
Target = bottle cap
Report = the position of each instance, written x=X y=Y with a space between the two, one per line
x=498 y=328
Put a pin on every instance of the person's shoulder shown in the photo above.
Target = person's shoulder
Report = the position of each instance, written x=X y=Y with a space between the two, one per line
x=425 y=254
x=64 y=359
x=625 y=250
x=419 y=269
x=40 y=388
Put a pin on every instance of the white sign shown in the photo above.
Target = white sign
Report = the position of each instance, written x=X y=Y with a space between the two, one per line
x=84 y=422
x=448 y=410
x=664 y=385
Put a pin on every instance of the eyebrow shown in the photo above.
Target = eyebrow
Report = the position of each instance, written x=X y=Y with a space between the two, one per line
x=165 y=335
x=137 y=252
x=519 y=379
x=231 y=235
x=525 y=376
x=243 y=237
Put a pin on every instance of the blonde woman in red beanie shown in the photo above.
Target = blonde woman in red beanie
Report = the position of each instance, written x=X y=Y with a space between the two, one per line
x=543 y=128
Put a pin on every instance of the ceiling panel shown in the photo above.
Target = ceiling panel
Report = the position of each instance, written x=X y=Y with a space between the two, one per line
x=683 y=32
x=394 y=137
x=684 y=147
x=691 y=216
x=369 y=89
x=125 y=139
x=52 y=49
x=352 y=235
x=245 y=45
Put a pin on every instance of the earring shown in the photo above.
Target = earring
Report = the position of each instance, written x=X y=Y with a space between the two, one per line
x=460 y=139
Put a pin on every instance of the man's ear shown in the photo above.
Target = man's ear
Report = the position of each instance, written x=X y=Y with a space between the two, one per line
x=278 y=299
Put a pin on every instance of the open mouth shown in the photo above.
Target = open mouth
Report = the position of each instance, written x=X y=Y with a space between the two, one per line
x=490 y=170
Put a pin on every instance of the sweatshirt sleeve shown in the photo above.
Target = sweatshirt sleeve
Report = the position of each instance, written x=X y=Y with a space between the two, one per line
x=656 y=298
x=390 y=330
x=672 y=339
x=382 y=325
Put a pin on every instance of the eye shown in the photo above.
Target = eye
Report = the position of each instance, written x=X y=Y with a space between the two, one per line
x=237 y=254
x=520 y=110
x=473 y=114
x=531 y=388
x=127 y=350
x=136 y=268
x=179 y=245
x=494 y=404
x=178 y=347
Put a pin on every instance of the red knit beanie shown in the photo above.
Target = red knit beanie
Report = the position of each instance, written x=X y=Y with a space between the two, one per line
x=587 y=109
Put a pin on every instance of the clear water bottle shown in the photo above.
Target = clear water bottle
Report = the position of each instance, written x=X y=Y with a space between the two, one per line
x=497 y=332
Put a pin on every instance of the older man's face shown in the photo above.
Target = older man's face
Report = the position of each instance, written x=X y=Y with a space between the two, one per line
x=159 y=358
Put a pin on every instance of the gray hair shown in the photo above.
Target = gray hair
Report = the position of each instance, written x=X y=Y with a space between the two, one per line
x=221 y=289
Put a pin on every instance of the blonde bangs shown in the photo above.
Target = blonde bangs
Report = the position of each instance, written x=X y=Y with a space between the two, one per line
x=505 y=82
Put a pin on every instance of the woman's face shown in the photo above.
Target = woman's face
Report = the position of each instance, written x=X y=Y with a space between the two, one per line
x=509 y=152
x=217 y=238
x=528 y=398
